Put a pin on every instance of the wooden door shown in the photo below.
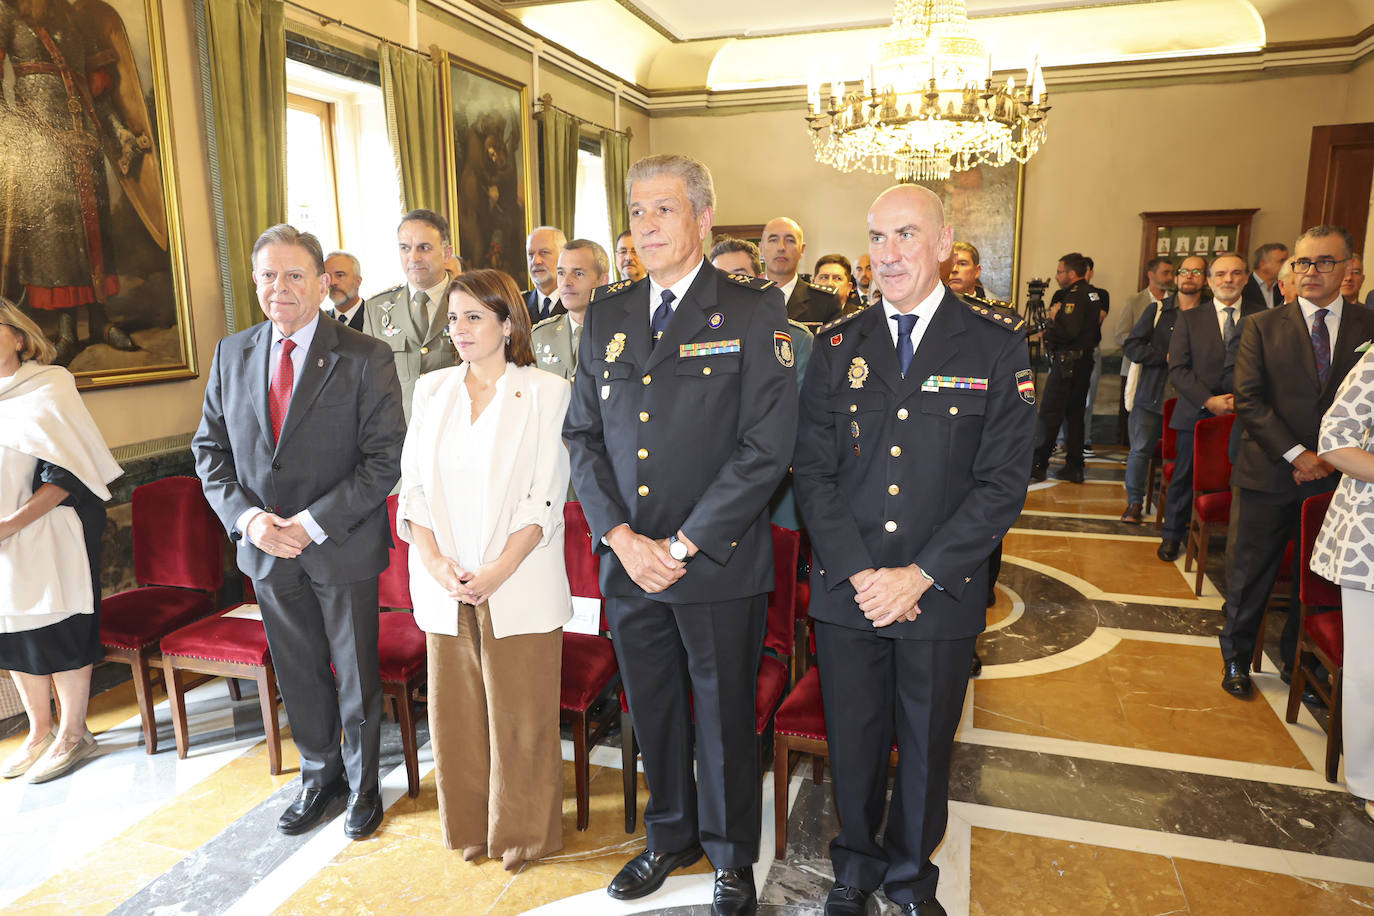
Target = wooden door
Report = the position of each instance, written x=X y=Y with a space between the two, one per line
x=1340 y=172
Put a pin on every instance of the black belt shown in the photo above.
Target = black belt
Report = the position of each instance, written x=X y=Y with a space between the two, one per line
x=1070 y=355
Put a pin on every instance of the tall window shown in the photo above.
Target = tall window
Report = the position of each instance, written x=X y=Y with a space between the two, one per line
x=312 y=185
x=590 y=217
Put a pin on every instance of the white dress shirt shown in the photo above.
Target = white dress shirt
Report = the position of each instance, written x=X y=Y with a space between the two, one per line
x=1333 y=327
x=679 y=290
x=1221 y=308
x=470 y=445
x=925 y=310
x=788 y=287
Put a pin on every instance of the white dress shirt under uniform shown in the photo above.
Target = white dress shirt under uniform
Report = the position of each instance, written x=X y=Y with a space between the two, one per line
x=925 y=310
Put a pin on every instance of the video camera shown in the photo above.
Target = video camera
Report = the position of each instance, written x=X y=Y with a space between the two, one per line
x=1036 y=317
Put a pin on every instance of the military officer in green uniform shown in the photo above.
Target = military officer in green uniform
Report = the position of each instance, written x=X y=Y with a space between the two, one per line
x=583 y=265
x=410 y=318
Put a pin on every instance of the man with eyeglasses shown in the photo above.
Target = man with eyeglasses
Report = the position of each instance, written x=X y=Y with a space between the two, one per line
x=1290 y=362
x=1197 y=362
x=1262 y=288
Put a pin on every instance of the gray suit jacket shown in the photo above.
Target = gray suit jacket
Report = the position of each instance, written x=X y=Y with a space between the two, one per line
x=387 y=317
x=339 y=453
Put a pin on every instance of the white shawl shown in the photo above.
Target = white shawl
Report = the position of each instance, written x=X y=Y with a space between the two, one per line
x=42 y=415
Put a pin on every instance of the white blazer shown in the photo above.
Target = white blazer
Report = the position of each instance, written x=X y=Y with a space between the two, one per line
x=527 y=485
x=1344 y=551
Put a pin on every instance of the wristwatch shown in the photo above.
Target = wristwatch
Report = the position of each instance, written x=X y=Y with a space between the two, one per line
x=677 y=549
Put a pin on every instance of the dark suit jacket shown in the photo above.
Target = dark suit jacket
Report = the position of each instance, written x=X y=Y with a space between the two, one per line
x=1197 y=360
x=914 y=469
x=532 y=299
x=664 y=438
x=811 y=304
x=1147 y=345
x=356 y=322
x=1254 y=295
x=1278 y=398
x=339 y=453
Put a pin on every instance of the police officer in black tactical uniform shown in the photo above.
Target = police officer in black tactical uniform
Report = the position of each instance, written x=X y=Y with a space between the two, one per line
x=1073 y=335
x=682 y=423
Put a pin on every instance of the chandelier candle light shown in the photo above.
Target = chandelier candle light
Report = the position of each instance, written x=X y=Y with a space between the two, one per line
x=928 y=106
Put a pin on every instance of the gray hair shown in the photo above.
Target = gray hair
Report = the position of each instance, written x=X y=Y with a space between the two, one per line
x=558 y=233
x=357 y=265
x=1321 y=232
x=599 y=256
x=286 y=234
x=701 y=191
x=1263 y=252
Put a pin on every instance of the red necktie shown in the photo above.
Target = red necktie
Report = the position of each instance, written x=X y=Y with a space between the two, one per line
x=279 y=394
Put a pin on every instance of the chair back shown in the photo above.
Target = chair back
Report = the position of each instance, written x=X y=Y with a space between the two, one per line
x=178 y=540
x=393 y=585
x=1168 y=439
x=1211 y=464
x=782 y=601
x=584 y=565
x=1313 y=590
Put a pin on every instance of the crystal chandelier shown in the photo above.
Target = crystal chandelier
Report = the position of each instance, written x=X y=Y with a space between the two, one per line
x=928 y=106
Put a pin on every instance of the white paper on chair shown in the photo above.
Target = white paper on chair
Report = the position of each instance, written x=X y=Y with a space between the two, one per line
x=586 y=616
x=247 y=611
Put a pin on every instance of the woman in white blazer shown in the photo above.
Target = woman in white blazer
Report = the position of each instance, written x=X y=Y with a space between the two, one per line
x=483 y=477
x=1344 y=554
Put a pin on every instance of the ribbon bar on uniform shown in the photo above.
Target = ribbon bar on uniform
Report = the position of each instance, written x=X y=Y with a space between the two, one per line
x=937 y=382
x=709 y=348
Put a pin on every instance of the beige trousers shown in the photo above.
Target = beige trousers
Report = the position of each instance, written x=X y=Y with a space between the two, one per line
x=493 y=721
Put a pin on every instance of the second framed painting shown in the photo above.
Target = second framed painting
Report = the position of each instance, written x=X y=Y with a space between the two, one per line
x=487 y=166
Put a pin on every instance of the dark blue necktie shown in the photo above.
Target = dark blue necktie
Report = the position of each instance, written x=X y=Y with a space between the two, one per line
x=905 y=325
x=662 y=315
x=1321 y=346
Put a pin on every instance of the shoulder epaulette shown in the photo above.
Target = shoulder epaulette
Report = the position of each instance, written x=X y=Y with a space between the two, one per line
x=543 y=321
x=387 y=292
x=1003 y=318
x=841 y=320
x=611 y=289
x=821 y=289
x=758 y=283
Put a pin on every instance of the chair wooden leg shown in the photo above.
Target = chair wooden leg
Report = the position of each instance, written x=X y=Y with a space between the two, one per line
x=143 y=695
x=1296 y=685
x=817 y=769
x=1259 y=641
x=1334 y=734
x=1159 y=503
x=581 y=768
x=410 y=744
x=1194 y=537
x=1201 y=559
x=267 y=699
x=176 y=699
x=781 y=755
x=628 y=773
x=235 y=691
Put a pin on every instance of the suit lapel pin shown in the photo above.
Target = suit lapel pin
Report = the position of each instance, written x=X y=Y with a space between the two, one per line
x=320 y=362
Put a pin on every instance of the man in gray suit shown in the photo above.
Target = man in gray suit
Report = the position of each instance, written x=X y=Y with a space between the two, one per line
x=298 y=446
x=410 y=318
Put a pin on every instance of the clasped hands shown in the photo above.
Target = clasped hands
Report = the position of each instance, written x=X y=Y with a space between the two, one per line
x=1308 y=467
x=473 y=587
x=889 y=595
x=647 y=562
x=281 y=537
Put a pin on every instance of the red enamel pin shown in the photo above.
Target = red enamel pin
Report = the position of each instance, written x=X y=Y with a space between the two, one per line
x=835 y=341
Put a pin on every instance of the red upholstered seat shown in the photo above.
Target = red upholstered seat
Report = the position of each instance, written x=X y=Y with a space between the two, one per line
x=1328 y=633
x=1214 y=508
x=802 y=714
x=393 y=585
x=1320 y=634
x=588 y=666
x=773 y=676
x=140 y=617
x=400 y=646
x=1211 y=490
x=238 y=640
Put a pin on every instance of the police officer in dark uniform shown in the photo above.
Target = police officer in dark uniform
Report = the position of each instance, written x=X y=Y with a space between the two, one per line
x=682 y=423
x=1071 y=338
x=913 y=441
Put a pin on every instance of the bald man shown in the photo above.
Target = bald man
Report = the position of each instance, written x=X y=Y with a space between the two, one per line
x=782 y=247
x=913 y=442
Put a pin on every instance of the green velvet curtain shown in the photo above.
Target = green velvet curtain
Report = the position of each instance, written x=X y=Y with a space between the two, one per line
x=560 y=132
x=615 y=162
x=411 y=93
x=247 y=51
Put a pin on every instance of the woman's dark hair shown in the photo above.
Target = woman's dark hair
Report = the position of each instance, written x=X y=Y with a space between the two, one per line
x=498 y=293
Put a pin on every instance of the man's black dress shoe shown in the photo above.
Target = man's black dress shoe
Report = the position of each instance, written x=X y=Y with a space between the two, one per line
x=975 y=667
x=734 y=894
x=1236 y=680
x=844 y=900
x=1168 y=550
x=1071 y=473
x=1038 y=473
x=646 y=872
x=928 y=907
x=364 y=814
x=305 y=812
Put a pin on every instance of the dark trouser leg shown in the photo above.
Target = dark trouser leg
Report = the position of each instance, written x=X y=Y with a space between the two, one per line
x=1053 y=405
x=1074 y=411
x=1264 y=524
x=351 y=623
x=1178 y=502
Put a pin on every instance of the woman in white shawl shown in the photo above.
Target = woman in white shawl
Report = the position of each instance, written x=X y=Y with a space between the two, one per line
x=53 y=470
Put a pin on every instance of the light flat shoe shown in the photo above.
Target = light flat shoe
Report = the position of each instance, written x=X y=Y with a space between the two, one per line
x=51 y=765
x=18 y=763
x=1369 y=809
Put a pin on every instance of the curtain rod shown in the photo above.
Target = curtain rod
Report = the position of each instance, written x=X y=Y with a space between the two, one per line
x=545 y=102
x=333 y=20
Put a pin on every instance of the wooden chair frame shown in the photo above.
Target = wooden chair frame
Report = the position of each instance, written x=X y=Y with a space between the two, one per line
x=174 y=668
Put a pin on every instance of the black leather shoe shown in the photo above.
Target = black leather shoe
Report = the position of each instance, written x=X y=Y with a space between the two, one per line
x=305 y=812
x=844 y=900
x=927 y=907
x=975 y=667
x=1070 y=473
x=1168 y=550
x=646 y=872
x=734 y=894
x=364 y=814
x=1236 y=680
x=1038 y=473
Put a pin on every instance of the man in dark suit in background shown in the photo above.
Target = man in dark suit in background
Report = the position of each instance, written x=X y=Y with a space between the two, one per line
x=345 y=278
x=542 y=249
x=1262 y=289
x=682 y=422
x=1197 y=360
x=901 y=540
x=1290 y=362
x=298 y=446
x=782 y=247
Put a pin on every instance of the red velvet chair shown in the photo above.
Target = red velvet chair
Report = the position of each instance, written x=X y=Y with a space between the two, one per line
x=589 y=668
x=1320 y=634
x=401 y=650
x=179 y=567
x=1168 y=451
x=1211 y=490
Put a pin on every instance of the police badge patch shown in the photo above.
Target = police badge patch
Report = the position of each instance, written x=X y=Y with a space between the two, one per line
x=1025 y=385
x=782 y=348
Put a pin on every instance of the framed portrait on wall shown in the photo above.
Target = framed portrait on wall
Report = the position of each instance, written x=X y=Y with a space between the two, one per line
x=984 y=205
x=487 y=164
x=90 y=226
x=1162 y=245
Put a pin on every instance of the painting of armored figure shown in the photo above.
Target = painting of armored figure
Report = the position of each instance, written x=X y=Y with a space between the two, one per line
x=90 y=240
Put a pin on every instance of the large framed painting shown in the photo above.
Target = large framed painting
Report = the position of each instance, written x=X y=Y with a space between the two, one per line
x=90 y=227
x=984 y=207
x=487 y=166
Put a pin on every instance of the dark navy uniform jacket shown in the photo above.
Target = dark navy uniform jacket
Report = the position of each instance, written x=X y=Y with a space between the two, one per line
x=694 y=432
x=928 y=469
x=1077 y=326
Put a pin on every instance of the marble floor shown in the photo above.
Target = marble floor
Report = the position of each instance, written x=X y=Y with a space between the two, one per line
x=1099 y=768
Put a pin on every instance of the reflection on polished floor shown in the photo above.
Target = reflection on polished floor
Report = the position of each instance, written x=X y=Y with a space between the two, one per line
x=1099 y=769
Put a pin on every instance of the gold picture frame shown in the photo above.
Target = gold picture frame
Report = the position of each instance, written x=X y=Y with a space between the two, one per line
x=125 y=257
x=484 y=115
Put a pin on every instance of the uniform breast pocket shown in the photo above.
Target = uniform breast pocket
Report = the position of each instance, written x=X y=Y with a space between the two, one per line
x=719 y=366
x=857 y=418
x=611 y=377
x=955 y=406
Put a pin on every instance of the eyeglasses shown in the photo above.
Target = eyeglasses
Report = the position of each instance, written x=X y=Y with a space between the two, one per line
x=1195 y=271
x=1323 y=265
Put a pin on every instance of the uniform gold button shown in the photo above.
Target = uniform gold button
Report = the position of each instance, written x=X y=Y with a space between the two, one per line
x=902 y=414
x=647 y=379
x=705 y=370
x=424 y=350
x=953 y=411
x=896 y=451
x=891 y=526
x=643 y=490
x=643 y=453
x=734 y=543
x=644 y=416
x=853 y=408
x=894 y=489
x=606 y=374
